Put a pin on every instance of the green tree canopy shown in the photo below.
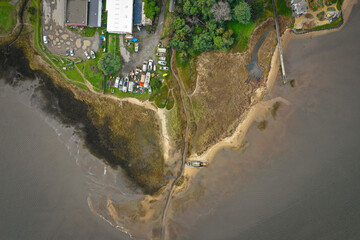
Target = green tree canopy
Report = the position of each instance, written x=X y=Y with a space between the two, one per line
x=203 y=42
x=242 y=13
x=155 y=84
x=257 y=9
x=151 y=8
x=222 y=44
x=109 y=63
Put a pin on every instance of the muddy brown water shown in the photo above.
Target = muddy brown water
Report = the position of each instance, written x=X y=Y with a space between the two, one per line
x=299 y=178
x=46 y=174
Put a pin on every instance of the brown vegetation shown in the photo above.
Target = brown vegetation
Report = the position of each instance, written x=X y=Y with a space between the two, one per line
x=222 y=94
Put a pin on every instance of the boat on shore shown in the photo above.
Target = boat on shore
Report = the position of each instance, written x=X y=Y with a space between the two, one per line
x=197 y=164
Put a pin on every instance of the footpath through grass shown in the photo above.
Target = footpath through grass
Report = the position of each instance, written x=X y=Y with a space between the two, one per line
x=7 y=17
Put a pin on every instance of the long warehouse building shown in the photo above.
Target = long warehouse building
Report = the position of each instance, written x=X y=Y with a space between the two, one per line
x=119 y=16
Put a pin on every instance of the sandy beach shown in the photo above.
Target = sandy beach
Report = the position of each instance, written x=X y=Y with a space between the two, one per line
x=261 y=109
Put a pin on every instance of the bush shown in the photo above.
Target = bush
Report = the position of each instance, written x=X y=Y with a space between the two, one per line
x=109 y=63
x=151 y=9
x=257 y=9
x=242 y=13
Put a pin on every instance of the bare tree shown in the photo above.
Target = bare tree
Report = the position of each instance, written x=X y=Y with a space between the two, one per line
x=221 y=11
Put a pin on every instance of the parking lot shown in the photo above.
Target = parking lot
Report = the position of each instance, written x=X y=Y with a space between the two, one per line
x=148 y=44
x=59 y=37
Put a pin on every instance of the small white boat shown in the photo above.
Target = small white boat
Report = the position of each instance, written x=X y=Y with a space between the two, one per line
x=196 y=164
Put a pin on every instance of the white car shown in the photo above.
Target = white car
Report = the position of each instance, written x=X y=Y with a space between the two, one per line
x=164 y=68
x=87 y=55
x=162 y=58
x=45 y=38
x=116 y=85
x=144 y=67
x=150 y=66
x=92 y=54
x=71 y=52
x=162 y=63
x=136 y=48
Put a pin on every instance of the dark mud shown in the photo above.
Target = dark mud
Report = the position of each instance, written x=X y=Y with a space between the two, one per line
x=62 y=104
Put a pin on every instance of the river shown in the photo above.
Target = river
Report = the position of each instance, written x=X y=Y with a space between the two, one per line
x=47 y=177
x=299 y=178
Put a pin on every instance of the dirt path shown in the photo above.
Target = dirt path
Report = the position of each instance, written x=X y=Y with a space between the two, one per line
x=87 y=83
x=183 y=159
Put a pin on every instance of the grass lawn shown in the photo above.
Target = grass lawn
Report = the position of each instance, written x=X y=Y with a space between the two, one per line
x=7 y=17
x=82 y=86
x=114 y=44
x=282 y=8
x=242 y=33
x=160 y=97
x=74 y=75
x=187 y=70
x=92 y=73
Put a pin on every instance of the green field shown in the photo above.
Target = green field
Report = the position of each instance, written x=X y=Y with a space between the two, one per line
x=7 y=16
x=92 y=73
x=242 y=34
x=282 y=8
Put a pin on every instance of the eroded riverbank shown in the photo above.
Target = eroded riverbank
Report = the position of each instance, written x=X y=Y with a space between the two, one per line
x=291 y=179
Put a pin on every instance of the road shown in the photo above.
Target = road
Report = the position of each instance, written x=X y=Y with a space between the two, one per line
x=279 y=41
x=183 y=159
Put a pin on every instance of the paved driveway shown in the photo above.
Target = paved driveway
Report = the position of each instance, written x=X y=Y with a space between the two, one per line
x=60 y=38
x=147 y=45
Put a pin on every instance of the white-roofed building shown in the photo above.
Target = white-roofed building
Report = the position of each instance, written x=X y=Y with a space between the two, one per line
x=119 y=16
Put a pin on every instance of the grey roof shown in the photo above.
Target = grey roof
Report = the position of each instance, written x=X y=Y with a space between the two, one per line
x=95 y=7
x=137 y=12
x=76 y=12
x=299 y=7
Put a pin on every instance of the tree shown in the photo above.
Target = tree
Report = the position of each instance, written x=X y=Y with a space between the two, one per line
x=228 y=34
x=151 y=9
x=242 y=13
x=155 y=84
x=257 y=9
x=179 y=45
x=109 y=63
x=222 y=44
x=178 y=23
x=221 y=11
x=203 y=42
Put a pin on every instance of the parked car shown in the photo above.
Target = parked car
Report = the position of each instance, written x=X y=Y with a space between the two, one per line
x=71 y=52
x=136 y=47
x=45 y=38
x=164 y=68
x=126 y=84
x=159 y=54
x=150 y=66
x=162 y=58
x=154 y=67
x=144 y=67
x=87 y=55
x=116 y=84
x=162 y=63
x=121 y=82
x=92 y=54
x=67 y=53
